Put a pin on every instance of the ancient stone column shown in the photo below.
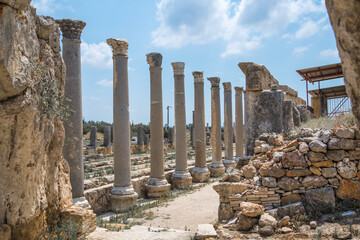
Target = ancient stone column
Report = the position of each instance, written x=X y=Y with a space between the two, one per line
x=146 y=139
x=171 y=135
x=107 y=136
x=93 y=137
x=239 y=124
x=140 y=136
x=200 y=173
x=181 y=178
x=157 y=185
x=122 y=197
x=73 y=146
x=228 y=127
x=217 y=167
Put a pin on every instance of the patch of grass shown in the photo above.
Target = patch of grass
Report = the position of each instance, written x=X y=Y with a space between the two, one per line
x=66 y=230
x=299 y=219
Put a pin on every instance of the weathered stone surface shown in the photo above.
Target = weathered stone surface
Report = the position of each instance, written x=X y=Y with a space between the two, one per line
x=17 y=4
x=245 y=223
x=85 y=219
x=293 y=159
x=324 y=135
x=354 y=155
x=291 y=210
x=257 y=76
x=340 y=143
x=298 y=172
x=321 y=198
x=269 y=182
x=303 y=147
x=345 y=133
x=288 y=118
x=347 y=170
x=284 y=221
x=315 y=170
x=289 y=184
x=292 y=198
x=314 y=181
x=329 y=172
x=271 y=170
x=263 y=148
x=251 y=209
x=315 y=156
x=249 y=171
x=337 y=155
x=267 y=220
x=205 y=231
x=334 y=181
x=348 y=188
x=296 y=116
x=266 y=231
x=328 y=163
x=5 y=232
x=317 y=146
x=277 y=156
x=225 y=211
x=226 y=189
x=34 y=175
x=306 y=132
x=313 y=224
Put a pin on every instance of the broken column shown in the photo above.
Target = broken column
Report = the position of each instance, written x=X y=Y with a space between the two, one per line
x=107 y=136
x=146 y=139
x=200 y=172
x=217 y=167
x=73 y=146
x=263 y=104
x=171 y=136
x=122 y=197
x=157 y=185
x=288 y=118
x=93 y=137
x=181 y=178
x=140 y=136
x=239 y=125
x=228 y=127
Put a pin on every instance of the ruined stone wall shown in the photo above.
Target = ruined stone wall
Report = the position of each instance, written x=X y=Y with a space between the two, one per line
x=317 y=167
x=345 y=20
x=34 y=181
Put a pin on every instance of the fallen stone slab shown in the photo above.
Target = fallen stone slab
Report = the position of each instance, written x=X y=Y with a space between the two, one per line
x=205 y=231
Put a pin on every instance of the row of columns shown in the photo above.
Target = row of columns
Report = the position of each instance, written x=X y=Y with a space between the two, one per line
x=123 y=197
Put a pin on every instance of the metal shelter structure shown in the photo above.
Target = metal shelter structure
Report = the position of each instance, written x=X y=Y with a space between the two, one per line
x=338 y=94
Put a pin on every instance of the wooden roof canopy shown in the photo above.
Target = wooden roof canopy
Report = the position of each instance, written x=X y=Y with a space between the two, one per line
x=321 y=73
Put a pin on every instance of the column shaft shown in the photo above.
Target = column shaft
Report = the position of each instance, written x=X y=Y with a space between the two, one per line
x=228 y=127
x=239 y=124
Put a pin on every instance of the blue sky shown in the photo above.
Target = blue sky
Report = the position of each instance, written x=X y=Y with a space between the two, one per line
x=208 y=35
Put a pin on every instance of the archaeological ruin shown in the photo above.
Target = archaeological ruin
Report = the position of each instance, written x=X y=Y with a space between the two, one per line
x=259 y=170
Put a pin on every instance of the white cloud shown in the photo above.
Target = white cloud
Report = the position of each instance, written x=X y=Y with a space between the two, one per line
x=243 y=25
x=49 y=6
x=330 y=53
x=97 y=55
x=300 y=50
x=308 y=29
x=105 y=83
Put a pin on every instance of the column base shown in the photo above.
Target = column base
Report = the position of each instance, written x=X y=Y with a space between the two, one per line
x=217 y=169
x=82 y=202
x=229 y=163
x=122 y=199
x=181 y=180
x=157 y=187
x=200 y=175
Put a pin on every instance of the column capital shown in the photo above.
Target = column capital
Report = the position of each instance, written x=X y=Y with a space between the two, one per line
x=239 y=90
x=198 y=76
x=227 y=86
x=119 y=46
x=178 y=68
x=154 y=59
x=215 y=81
x=71 y=29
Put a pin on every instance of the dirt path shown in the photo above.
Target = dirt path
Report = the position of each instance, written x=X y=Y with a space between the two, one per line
x=178 y=219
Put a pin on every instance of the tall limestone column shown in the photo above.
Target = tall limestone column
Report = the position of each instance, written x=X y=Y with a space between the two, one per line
x=217 y=167
x=73 y=146
x=181 y=178
x=200 y=172
x=122 y=197
x=157 y=185
x=228 y=127
x=239 y=124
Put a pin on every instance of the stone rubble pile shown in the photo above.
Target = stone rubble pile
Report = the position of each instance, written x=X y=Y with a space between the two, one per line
x=319 y=166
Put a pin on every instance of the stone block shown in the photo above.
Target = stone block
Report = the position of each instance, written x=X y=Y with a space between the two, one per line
x=85 y=219
x=314 y=181
x=291 y=210
x=292 y=198
x=337 y=155
x=269 y=182
x=269 y=169
x=347 y=170
x=345 y=133
x=258 y=76
x=5 y=232
x=328 y=163
x=245 y=223
x=321 y=198
x=205 y=231
x=225 y=211
x=298 y=172
x=317 y=146
x=315 y=156
x=289 y=184
x=342 y=144
x=288 y=118
x=251 y=209
x=227 y=189
x=329 y=172
x=294 y=159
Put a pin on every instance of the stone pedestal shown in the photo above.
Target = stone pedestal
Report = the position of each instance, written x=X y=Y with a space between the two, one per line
x=122 y=197
x=140 y=136
x=107 y=136
x=217 y=167
x=157 y=185
x=73 y=146
x=93 y=137
x=228 y=127
x=200 y=172
x=181 y=178
x=239 y=124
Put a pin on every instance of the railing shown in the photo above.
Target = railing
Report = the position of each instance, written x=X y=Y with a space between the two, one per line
x=337 y=106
